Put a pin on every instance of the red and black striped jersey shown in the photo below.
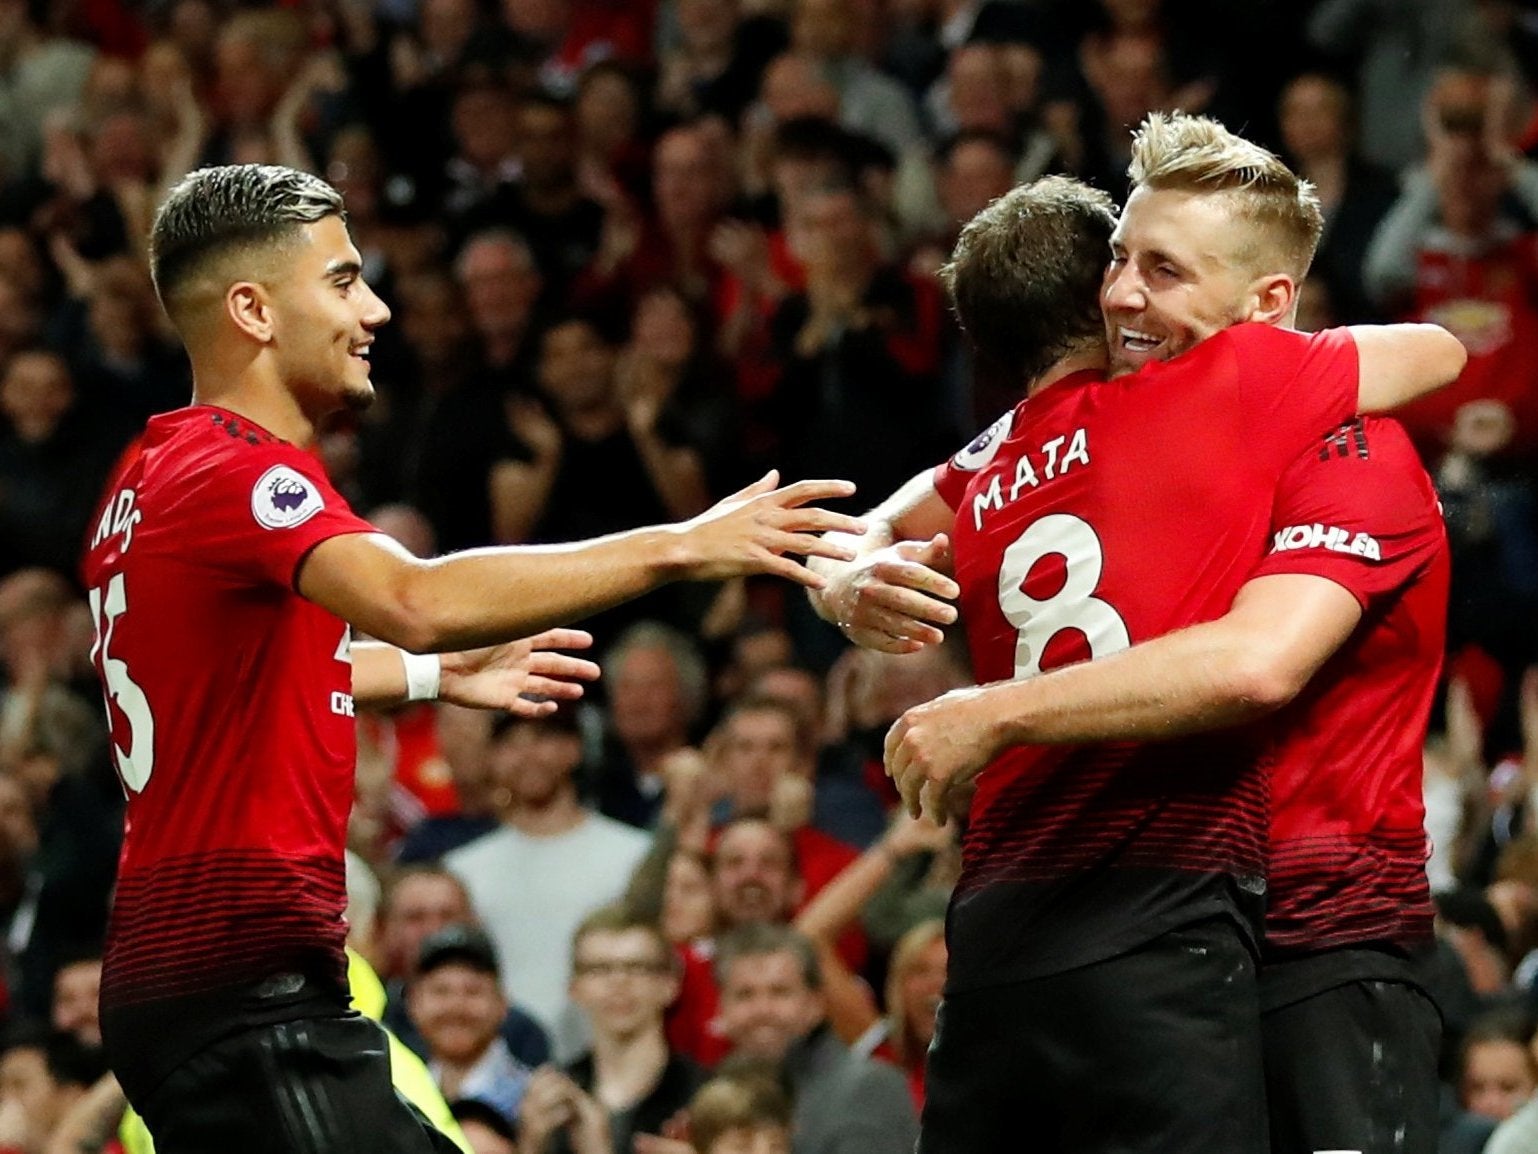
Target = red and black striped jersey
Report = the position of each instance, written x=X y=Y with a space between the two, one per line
x=1348 y=836
x=1097 y=515
x=230 y=702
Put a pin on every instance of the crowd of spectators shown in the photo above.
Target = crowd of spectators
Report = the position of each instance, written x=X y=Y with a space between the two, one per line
x=638 y=252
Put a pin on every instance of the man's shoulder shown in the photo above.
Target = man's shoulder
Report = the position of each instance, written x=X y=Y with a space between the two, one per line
x=608 y=833
x=474 y=855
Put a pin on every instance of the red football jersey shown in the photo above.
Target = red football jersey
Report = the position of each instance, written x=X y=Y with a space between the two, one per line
x=1096 y=515
x=1348 y=835
x=230 y=702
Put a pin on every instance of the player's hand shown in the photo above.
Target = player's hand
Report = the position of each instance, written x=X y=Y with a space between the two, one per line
x=895 y=599
x=752 y=530
x=934 y=750
x=506 y=676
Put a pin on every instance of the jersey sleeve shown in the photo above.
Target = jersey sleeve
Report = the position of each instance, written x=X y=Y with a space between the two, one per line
x=1292 y=387
x=268 y=508
x=952 y=478
x=1360 y=512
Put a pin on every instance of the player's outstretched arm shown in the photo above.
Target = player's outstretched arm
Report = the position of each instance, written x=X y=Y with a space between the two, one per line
x=894 y=593
x=497 y=677
x=490 y=596
x=1397 y=363
x=1250 y=662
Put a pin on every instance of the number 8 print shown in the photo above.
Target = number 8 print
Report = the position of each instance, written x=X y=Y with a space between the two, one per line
x=1074 y=606
x=136 y=762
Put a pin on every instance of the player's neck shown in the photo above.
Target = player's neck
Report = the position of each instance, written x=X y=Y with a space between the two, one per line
x=1084 y=360
x=252 y=391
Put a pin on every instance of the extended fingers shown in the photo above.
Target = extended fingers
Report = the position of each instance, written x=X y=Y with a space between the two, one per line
x=562 y=639
x=563 y=665
x=906 y=602
x=914 y=575
x=801 y=492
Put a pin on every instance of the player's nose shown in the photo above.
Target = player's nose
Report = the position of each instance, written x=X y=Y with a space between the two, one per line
x=1122 y=288
x=376 y=312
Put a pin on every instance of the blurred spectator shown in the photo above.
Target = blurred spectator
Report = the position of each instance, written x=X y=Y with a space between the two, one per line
x=437 y=424
x=42 y=74
x=870 y=102
x=59 y=840
x=902 y=1037
x=690 y=190
x=568 y=859
x=1497 y=1071
x=764 y=756
x=624 y=975
x=1449 y=251
x=1395 y=50
x=121 y=353
x=610 y=109
x=55 y=454
x=843 y=805
x=419 y=902
x=733 y=1114
x=559 y=38
x=456 y=1004
x=1318 y=136
x=656 y=683
x=858 y=351
x=76 y=991
x=487 y=1131
x=772 y=1008
x=544 y=204
x=593 y=460
x=464 y=746
x=719 y=58
x=499 y=277
x=43 y=1073
x=485 y=165
x=670 y=360
x=38 y=614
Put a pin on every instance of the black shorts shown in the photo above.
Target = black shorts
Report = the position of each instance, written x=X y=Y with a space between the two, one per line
x=312 y=1086
x=1155 y=1051
x=1354 y=1068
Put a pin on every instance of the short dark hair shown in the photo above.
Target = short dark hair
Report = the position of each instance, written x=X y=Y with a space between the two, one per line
x=759 y=940
x=213 y=211
x=1025 y=277
x=458 y=945
x=70 y=1062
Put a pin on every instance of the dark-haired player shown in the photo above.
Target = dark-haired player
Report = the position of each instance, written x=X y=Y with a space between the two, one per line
x=225 y=576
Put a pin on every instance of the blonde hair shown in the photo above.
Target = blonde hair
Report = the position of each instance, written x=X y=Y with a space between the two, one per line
x=1183 y=153
x=904 y=956
x=746 y=1100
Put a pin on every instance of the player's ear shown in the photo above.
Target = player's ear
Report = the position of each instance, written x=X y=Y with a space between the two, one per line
x=250 y=310
x=1273 y=299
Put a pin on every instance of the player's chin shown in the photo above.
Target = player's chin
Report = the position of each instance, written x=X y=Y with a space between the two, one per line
x=358 y=396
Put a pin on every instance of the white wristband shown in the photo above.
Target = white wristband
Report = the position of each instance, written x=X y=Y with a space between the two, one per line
x=423 y=671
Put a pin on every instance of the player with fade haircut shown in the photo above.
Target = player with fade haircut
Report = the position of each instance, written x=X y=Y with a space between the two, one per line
x=1115 y=855
x=225 y=576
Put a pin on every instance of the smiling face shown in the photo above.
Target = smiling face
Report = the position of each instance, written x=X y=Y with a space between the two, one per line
x=766 y=1004
x=323 y=317
x=1181 y=270
x=458 y=1009
x=624 y=980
